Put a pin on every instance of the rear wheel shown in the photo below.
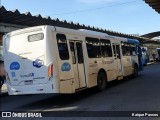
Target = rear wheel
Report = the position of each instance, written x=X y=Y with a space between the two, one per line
x=135 y=71
x=101 y=81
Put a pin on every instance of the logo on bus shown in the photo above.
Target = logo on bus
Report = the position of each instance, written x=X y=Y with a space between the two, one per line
x=14 y=66
x=66 y=66
x=38 y=63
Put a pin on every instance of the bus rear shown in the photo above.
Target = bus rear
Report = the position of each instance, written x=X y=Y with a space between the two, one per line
x=28 y=71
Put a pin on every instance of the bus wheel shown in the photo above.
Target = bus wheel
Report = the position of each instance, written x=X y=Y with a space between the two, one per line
x=135 y=71
x=101 y=81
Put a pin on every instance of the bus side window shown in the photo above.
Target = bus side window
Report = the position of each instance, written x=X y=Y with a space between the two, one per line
x=118 y=51
x=126 y=49
x=106 y=48
x=62 y=46
x=93 y=47
x=123 y=48
x=133 y=50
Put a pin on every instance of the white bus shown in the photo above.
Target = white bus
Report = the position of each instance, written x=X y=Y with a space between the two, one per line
x=49 y=59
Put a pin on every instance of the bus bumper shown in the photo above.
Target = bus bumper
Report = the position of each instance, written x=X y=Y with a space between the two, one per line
x=30 y=89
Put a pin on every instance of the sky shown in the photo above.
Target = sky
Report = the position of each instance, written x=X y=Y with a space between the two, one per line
x=126 y=16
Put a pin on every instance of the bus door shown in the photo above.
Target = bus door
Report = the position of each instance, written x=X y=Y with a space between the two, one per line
x=117 y=59
x=78 y=64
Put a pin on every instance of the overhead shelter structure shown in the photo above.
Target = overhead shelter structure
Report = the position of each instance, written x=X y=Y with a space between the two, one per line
x=13 y=20
x=152 y=48
x=155 y=4
x=152 y=35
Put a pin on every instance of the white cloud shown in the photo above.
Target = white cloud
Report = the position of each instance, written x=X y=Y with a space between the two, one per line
x=97 y=1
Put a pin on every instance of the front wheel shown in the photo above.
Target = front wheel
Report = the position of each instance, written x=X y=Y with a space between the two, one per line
x=101 y=81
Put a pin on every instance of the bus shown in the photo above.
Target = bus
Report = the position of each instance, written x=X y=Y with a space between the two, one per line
x=50 y=59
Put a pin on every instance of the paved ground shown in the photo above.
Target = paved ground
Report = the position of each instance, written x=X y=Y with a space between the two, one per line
x=139 y=94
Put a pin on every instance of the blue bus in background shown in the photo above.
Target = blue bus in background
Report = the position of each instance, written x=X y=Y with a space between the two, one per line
x=139 y=52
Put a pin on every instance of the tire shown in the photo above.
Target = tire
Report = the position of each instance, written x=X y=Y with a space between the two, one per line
x=135 y=71
x=101 y=81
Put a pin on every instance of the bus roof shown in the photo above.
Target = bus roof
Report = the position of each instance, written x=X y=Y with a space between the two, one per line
x=68 y=30
x=93 y=32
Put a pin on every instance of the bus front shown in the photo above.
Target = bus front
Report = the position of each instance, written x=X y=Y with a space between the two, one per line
x=25 y=62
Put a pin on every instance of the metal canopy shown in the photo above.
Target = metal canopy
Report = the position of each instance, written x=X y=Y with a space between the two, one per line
x=27 y=19
x=155 y=4
x=151 y=35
